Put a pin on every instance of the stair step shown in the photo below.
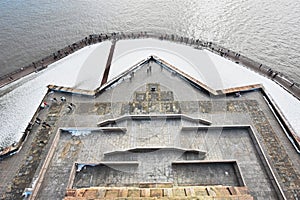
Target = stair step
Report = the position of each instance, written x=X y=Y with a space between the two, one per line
x=149 y=191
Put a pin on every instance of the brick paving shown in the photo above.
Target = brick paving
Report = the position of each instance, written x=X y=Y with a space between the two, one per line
x=160 y=191
x=289 y=177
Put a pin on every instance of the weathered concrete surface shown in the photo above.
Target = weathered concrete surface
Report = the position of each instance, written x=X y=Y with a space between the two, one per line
x=18 y=171
x=219 y=144
x=222 y=110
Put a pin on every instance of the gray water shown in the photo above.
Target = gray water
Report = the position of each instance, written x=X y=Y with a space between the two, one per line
x=265 y=30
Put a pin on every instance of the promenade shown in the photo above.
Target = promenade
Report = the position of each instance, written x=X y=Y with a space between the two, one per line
x=260 y=68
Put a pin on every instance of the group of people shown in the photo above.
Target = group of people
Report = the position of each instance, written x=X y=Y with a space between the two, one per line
x=38 y=121
x=62 y=99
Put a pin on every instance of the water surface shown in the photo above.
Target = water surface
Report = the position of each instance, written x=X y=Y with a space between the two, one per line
x=265 y=30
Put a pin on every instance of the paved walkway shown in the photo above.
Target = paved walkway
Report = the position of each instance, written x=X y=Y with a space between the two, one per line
x=108 y=63
x=17 y=172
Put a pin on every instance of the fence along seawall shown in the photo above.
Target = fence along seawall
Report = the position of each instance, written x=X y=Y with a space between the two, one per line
x=264 y=70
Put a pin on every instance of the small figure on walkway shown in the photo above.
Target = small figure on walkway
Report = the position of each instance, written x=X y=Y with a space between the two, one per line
x=71 y=106
x=38 y=121
x=29 y=127
x=44 y=105
x=237 y=55
x=54 y=100
x=270 y=71
x=44 y=125
x=131 y=76
x=149 y=69
x=238 y=94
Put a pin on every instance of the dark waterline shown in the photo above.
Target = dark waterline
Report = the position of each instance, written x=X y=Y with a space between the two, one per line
x=266 y=31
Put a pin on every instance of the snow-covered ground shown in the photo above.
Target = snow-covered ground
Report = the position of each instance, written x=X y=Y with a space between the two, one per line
x=233 y=75
x=213 y=70
x=84 y=70
x=91 y=72
x=81 y=69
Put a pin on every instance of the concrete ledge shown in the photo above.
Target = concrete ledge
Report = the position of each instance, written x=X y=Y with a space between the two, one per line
x=156 y=185
x=154 y=117
x=218 y=127
x=182 y=162
x=110 y=163
x=71 y=90
x=143 y=149
x=242 y=88
x=87 y=130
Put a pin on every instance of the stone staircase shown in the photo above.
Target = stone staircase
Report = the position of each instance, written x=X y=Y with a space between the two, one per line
x=160 y=191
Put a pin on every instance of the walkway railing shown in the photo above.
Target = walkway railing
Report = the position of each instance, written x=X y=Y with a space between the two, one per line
x=262 y=69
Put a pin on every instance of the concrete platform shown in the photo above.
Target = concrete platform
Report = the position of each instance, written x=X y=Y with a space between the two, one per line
x=243 y=129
